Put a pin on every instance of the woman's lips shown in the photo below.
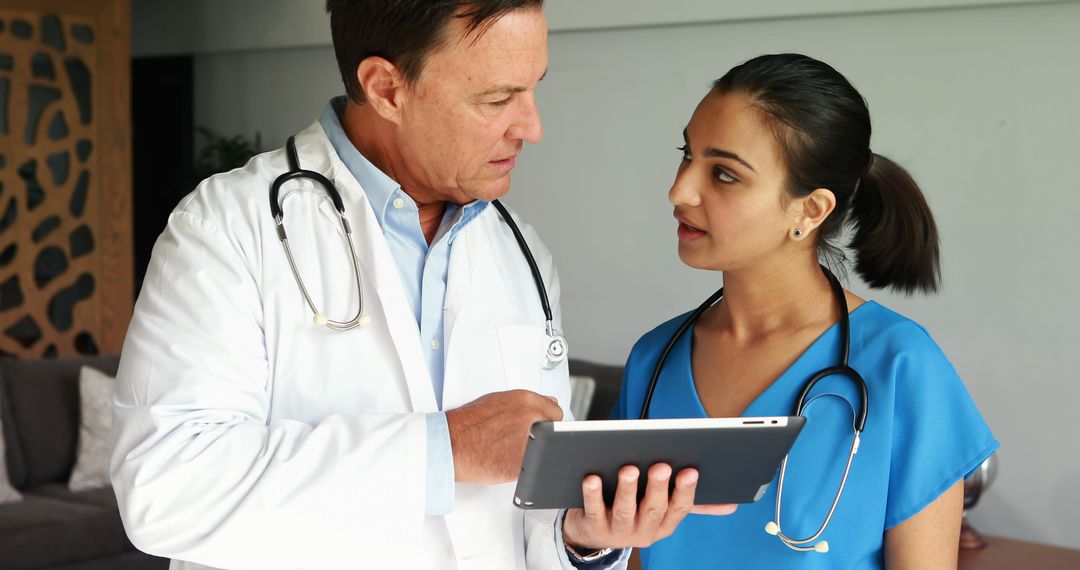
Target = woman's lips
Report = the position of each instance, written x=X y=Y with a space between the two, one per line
x=689 y=233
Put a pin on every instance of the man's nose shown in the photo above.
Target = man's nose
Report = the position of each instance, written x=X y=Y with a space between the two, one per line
x=528 y=126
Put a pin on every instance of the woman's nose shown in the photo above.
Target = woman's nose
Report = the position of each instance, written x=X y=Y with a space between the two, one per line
x=683 y=192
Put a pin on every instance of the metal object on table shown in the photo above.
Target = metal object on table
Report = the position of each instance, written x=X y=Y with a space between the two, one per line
x=975 y=484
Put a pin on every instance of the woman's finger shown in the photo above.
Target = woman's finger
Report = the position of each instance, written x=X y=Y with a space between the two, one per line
x=624 y=509
x=682 y=501
x=654 y=505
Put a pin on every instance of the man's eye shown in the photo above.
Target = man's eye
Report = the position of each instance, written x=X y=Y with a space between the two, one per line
x=685 y=150
x=503 y=102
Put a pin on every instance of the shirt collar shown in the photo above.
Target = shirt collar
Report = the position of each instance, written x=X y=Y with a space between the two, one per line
x=379 y=188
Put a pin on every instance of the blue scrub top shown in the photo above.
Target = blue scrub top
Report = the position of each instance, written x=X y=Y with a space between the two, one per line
x=923 y=434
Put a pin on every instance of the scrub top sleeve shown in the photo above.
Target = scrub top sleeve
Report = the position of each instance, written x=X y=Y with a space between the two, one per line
x=938 y=436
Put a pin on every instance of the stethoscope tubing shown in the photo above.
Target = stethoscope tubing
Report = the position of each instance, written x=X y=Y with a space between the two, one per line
x=841 y=369
x=557 y=346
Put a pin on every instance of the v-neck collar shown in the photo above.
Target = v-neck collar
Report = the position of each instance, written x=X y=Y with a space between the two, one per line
x=783 y=382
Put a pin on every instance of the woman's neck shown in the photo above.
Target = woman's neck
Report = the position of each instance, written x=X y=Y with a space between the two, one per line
x=763 y=300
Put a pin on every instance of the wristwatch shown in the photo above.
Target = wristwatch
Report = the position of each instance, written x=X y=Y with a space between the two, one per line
x=576 y=556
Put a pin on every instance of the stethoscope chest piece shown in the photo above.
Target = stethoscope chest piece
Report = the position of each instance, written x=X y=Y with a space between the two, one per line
x=556 y=350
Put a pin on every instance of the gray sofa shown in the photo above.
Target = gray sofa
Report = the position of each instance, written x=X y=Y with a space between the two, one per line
x=53 y=527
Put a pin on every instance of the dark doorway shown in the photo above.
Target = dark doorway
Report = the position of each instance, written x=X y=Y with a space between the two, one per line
x=163 y=131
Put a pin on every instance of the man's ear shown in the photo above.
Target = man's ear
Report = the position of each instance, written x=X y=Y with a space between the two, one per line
x=815 y=207
x=383 y=85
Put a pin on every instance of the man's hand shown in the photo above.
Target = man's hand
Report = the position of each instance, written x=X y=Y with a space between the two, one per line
x=628 y=524
x=488 y=435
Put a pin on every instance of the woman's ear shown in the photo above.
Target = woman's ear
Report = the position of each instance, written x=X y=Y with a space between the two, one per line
x=813 y=209
x=383 y=85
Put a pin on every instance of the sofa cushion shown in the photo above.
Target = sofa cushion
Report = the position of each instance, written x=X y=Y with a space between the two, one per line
x=91 y=469
x=42 y=531
x=103 y=498
x=133 y=560
x=8 y=494
x=41 y=398
x=608 y=383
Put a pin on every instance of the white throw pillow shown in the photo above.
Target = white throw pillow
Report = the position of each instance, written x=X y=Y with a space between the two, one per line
x=95 y=424
x=8 y=494
x=582 y=389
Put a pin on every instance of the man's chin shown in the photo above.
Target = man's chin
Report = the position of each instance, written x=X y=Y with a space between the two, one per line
x=490 y=190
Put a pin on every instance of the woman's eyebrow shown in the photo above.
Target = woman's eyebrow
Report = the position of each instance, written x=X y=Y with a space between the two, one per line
x=720 y=153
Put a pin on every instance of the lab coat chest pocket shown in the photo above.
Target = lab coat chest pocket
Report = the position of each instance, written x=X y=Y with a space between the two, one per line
x=521 y=348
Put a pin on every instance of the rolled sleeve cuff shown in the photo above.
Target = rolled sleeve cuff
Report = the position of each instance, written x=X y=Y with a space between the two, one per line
x=618 y=559
x=440 y=466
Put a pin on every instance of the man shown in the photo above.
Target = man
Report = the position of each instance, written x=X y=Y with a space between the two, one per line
x=249 y=436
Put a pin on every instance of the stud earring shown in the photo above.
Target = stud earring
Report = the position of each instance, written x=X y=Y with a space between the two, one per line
x=796 y=233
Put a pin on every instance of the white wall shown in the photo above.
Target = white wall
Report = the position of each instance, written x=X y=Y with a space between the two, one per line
x=979 y=102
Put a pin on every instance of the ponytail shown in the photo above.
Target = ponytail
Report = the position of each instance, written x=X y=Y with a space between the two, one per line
x=895 y=239
x=822 y=126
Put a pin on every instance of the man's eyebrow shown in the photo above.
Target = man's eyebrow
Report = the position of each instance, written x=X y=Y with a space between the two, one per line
x=508 y=88
x=712 y=152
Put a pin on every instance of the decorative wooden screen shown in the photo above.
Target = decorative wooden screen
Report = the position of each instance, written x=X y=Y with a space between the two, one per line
x=65 y=177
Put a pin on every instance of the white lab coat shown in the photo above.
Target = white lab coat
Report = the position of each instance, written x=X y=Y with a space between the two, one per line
x=248 y=437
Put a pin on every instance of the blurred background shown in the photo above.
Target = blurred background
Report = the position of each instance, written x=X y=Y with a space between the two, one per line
x=976 y=98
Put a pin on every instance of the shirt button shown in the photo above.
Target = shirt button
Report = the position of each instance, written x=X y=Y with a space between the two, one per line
x=434 y=344
x=399 y=203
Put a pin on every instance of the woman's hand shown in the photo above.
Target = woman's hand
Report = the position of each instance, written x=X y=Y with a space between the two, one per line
x=628 y=524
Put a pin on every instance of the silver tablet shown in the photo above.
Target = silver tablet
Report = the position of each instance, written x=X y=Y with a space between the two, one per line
x=736 y=458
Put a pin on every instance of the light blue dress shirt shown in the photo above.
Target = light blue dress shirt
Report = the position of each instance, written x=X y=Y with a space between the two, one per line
x=423 y=269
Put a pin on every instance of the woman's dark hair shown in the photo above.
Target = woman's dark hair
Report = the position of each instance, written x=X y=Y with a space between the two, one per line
x=822 y=125
x=404 y=32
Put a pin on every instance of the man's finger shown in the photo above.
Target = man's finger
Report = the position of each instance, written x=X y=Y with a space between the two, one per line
x=547 y=407
x=624 y=508
x=682 y=501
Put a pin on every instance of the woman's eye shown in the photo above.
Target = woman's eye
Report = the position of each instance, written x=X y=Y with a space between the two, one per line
x=724 y=177
x=685 y=150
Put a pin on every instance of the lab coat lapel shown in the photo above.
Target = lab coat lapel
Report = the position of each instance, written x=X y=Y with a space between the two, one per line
x=374 y=258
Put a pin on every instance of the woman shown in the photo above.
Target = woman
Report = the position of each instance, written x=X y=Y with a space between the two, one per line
x=776 y=162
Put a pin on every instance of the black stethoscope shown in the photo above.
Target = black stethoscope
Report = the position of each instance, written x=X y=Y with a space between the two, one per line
x=556 y=347
x=842 y=369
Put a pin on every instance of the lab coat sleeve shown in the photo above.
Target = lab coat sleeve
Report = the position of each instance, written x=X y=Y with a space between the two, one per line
x=199 y=471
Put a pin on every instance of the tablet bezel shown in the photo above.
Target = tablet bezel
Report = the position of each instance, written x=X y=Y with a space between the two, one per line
x=560 y=454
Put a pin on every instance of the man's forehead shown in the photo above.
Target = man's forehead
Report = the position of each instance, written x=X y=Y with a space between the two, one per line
x=509 y=56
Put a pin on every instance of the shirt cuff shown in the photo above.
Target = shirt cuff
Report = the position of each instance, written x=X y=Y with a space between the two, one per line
x=617 y=559
x=440 y=466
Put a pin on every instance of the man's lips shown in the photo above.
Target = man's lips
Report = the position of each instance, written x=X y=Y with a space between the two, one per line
x=504 y=163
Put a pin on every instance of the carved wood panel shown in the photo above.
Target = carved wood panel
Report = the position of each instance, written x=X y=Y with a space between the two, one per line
x=65 y=182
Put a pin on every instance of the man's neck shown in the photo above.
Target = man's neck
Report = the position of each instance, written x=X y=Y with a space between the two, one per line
x=373 y=136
